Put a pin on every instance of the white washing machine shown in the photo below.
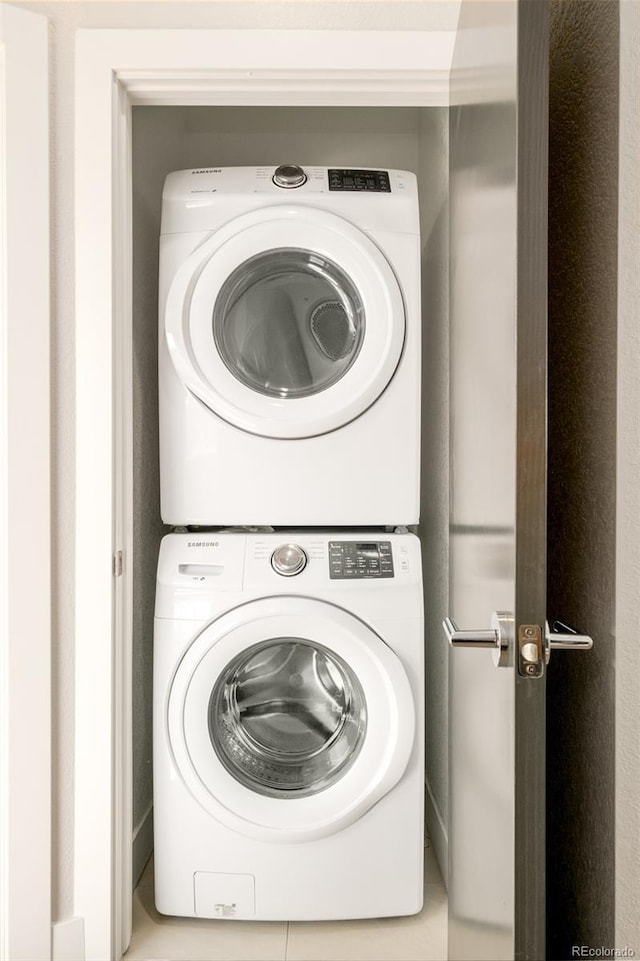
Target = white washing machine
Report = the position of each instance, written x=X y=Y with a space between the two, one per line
x=288 y=726
x=289 y=347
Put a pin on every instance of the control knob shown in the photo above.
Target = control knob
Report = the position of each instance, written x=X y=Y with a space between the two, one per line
x=288 y=559
x=289 y=175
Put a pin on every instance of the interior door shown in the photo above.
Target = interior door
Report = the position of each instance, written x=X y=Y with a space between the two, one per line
x=498 y=228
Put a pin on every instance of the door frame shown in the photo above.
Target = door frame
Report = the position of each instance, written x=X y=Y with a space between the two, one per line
x=115 y=70
x=25 y=490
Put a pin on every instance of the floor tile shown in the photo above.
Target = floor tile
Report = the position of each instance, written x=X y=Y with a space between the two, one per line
x=160 y=938
x=422 y=937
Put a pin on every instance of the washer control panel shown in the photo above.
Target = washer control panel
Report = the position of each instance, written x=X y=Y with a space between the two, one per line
x=376 y=181
x=359 y=559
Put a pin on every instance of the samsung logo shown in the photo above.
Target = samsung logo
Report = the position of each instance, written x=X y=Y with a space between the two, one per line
x=208 y=170
x=203 y=544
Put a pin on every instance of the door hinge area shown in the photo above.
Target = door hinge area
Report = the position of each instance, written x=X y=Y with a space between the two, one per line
x=117 y=564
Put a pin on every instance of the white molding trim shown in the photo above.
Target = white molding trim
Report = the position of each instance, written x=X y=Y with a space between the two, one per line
x=437 y=829
x=114 y=70
x=276 y=87
x=68 y=940
x=277 y=67
x=123 y=521
x=98 y=806
x=25 y=489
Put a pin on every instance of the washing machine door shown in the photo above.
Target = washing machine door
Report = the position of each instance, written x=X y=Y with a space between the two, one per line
x=288 y=718
x=288 y=322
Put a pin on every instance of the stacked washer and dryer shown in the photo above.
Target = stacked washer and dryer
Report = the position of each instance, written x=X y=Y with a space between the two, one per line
x=288 y=652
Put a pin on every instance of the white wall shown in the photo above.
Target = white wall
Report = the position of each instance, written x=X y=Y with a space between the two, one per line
x=627 y=887
x=25 y=510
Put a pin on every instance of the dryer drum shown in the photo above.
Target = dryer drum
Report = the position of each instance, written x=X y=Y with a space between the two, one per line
x=332 y=329
x=281 y=327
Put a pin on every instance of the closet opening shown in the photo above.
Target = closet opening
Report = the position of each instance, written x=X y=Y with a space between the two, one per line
x=169 y=138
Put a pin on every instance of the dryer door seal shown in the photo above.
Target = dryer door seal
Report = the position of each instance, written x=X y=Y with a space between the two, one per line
x=288 y=322
x=359 y=719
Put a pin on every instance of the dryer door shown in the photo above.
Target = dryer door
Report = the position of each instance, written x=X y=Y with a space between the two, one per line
x=288 y=322
x=289 y=718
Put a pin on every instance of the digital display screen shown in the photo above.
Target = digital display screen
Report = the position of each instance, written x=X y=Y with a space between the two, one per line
x=371 y=550
x=359 y=180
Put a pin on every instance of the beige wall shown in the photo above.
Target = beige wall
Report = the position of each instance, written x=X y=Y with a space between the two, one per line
x=627 y=770
x=583 y=210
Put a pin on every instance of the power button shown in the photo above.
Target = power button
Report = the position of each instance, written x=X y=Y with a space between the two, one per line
x=289 y=175
x=288 y=559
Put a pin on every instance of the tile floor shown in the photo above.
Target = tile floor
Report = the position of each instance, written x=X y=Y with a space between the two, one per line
x=422 y=937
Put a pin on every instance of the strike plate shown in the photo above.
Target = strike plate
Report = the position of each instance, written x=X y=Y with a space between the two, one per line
x=531 y=655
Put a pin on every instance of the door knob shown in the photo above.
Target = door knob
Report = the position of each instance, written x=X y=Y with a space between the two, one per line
x=534 y=651
x=563 y=637
x=499 y=637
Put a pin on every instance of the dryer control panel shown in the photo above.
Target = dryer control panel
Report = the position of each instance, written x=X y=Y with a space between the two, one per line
x=371 y=180
x=357 y=559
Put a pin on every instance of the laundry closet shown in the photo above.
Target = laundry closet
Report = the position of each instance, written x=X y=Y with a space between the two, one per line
x=413 y=139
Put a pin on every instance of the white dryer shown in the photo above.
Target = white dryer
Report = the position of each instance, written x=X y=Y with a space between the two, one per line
x=288 y=726
x=289 y=347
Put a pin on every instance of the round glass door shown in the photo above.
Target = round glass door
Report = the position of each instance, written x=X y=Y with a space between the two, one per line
x=288 y=323
x=287 y=718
